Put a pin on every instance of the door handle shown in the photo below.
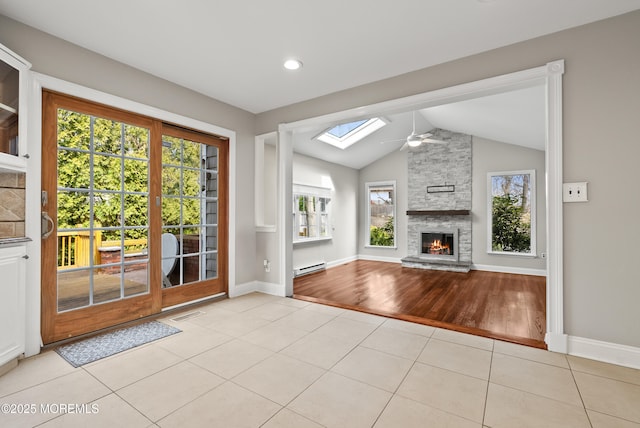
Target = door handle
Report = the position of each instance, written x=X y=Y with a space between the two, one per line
x=48 y=225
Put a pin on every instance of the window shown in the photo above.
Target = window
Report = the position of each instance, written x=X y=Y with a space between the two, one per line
x=311 y=216
x=346 y=134
x=381 y=214
x=511 y=212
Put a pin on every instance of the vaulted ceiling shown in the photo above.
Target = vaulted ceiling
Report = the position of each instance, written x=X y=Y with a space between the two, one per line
x=516 y=117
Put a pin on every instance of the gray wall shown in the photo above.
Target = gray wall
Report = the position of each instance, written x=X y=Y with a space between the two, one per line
x=601 y=103
x=492 y=156
x=267 y=242
x=391 y=167
x=310 y=171
x=270 y=186
x=57 y=58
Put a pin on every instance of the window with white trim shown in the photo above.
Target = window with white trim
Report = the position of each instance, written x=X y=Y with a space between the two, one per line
x=381 y=214
x=512 y=212
x=311 y=213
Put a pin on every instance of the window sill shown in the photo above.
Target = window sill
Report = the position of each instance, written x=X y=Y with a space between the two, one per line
x=312 y=240
x=381 y=247
x=497 y=253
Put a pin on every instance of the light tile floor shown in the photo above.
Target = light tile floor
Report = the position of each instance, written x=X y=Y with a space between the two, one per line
x=265 y=361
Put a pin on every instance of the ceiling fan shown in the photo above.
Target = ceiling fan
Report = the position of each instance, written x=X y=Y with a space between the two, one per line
x=414 y=140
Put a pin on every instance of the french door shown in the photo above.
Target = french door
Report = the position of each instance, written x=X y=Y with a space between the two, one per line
x=194 y=194
x=112 y=183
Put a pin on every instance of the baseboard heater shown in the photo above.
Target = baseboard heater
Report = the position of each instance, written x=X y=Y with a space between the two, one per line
x=309 y=269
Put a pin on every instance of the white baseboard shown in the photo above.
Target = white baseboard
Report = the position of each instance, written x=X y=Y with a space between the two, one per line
x=242 y=289
x=379 y=258
x=270 y=288
x=260 y=286
x=508 y=269
x=607 y=352
x=341 y=261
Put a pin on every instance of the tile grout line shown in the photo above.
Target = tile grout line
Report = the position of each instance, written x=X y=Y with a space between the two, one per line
x=575 y=382
x=44 y=381
x=486 y=395
x=393 y=394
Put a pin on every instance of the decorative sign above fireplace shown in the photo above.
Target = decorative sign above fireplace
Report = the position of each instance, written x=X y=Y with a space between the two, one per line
x=439 y=244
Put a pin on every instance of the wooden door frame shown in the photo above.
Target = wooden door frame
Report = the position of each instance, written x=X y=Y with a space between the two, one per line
x=190 y=292
x=35 y=83
x=58 y=326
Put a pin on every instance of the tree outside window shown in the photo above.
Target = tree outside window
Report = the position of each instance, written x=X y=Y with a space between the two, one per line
x=512 y=212
x=311 y=213
x=381 y=213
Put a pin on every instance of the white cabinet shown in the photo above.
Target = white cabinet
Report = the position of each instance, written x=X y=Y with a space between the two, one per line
x=13 y=90
x=13 y=166
x=12 y=303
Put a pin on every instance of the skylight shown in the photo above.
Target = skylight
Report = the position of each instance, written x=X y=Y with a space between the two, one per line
x=346 y=134
x=339 y=131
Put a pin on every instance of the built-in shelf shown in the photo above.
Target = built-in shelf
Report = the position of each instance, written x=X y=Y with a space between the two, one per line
x=439 y=212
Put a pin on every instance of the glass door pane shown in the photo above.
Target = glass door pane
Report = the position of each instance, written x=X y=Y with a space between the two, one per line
x=102 y=210
x=190 y=186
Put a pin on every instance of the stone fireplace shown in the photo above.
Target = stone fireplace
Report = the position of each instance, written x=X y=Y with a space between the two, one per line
x=439 y=204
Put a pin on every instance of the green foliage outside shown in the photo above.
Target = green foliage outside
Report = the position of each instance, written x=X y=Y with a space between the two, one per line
x=171 y=180
x=383 y=235
x=121 y=164
x=511 y=227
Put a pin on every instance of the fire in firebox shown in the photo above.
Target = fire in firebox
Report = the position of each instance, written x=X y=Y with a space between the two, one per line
x=437 y=247
x=438 y=244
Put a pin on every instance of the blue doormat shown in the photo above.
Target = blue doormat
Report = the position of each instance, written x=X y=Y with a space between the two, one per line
x=107 y=344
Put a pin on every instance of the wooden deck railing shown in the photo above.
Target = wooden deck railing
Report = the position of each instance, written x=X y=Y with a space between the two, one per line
x=74 y=248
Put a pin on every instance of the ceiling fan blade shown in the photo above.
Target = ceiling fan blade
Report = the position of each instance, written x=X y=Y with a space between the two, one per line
x=433 y=141
x=425 y=135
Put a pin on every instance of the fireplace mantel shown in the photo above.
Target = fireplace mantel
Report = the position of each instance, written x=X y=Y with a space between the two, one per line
x=439 y=212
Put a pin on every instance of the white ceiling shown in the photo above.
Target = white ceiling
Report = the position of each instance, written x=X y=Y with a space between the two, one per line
x=233 y=50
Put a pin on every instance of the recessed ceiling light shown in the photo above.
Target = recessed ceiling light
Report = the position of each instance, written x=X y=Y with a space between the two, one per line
x=292 y=64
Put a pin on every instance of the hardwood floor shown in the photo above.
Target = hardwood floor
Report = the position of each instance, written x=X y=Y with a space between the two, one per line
x=497 y=305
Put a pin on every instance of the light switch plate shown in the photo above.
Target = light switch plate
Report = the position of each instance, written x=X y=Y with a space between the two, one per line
x=574 y=192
